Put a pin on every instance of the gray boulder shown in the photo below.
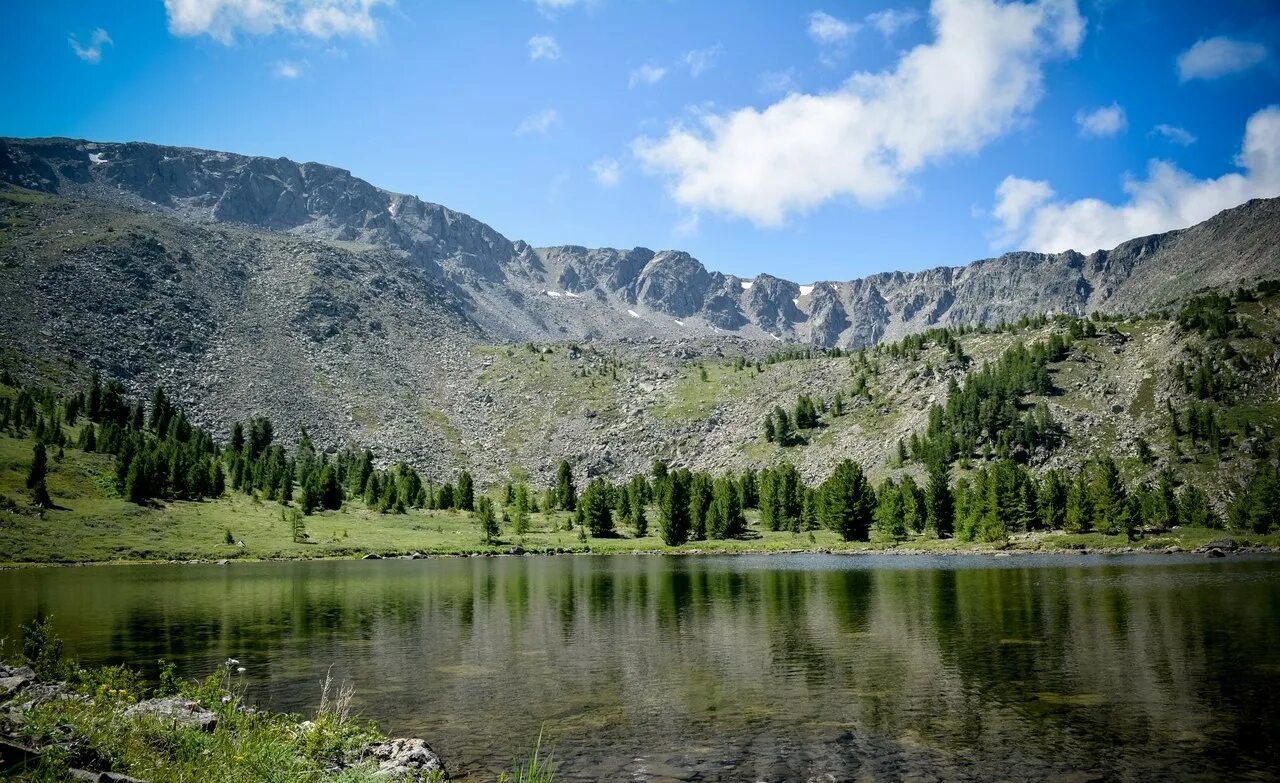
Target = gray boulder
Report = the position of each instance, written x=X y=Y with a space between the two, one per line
x=407 y=760
x=14 y=680
x=177 y=710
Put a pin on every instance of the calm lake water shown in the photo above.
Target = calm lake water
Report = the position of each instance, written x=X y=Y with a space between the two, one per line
x=754 y=668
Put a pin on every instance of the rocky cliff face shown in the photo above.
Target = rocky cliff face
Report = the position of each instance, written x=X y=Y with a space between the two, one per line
x=248 y=286
x=512 y=291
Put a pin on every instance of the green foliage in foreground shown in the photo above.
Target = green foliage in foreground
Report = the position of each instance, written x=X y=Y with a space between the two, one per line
x=247 y=746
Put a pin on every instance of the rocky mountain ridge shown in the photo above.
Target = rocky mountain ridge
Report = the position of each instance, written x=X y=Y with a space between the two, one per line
x=511 y=291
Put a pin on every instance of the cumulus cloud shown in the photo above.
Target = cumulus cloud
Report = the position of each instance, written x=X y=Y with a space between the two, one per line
x=646 y=74
x=287 y=69
x=1175 y=134
x=607 y=172
x=1102 y=121
x=865 y=139
x=893 y=20
x=1169 y=198
x=1211 y=58
x=91 y=52
x=544 y=47
x=827 y=29
x=323 y=19
x=538 y=122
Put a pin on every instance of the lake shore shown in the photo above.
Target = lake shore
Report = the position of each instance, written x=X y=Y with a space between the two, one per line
x=1063 y=545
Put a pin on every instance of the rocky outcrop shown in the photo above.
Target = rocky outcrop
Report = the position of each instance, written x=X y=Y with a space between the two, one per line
x=515 y=292
x=406 y=760
x=176 y=711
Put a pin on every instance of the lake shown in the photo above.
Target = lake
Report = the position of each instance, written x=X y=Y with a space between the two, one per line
x=748 y=668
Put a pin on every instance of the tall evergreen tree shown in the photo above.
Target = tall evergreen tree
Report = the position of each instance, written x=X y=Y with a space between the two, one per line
x=520 y=510
x=1078 y=517
x=913 y=506
x=39 y=466
x=725 y=519
x=699 y=503
x=847 y=502
x=487 y=519
x=1106 y=495
x=673 y=508
x=939 y=503
x=464 y=494
x=566 y=494
x=890 y=518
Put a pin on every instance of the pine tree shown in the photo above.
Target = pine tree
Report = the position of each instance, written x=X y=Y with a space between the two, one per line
x=749 y=489
x=464 y=495
x=39 y=466
x=566 y=494
x=1195 y=509
x=1053 y=501
x=939 y=503
x=636 y=491
x=783 y=433
x=913 y=507
x=40 y=495
x=1078 y=517
x=487 y=520
x=520 y=512
x=594 y=504
x=673 y=508
x=1106 y=495
x=725 y=519
x=699 y=502
x=847 y=502
x=89 y=438
x=890 y=518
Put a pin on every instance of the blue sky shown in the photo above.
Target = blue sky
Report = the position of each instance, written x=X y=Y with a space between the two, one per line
x=812 y=141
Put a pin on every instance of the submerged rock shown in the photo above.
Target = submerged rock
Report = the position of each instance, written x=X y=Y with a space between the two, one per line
x=177 y=710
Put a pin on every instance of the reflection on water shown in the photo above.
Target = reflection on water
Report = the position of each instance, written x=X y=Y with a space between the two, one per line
x=735 y=668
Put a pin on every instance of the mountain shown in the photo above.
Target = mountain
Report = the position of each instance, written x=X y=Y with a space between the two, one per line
x=513 y=292
x=248 y=286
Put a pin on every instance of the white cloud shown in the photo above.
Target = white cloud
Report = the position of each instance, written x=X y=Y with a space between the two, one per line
x=551 y=6
x=699 y=60
x=778 y=82
x=1210 y=58
x=543 y=47
x=1016 y=199
x=91 y=53
x=865 y=139
x=827 y=29
x=323 y=19
x=607 y=172
x=538 y=122
x=1167 y=199
x=1102 y=121
x=1173 y=133
x=287 y=69
x=892 y=20
x=646 y=74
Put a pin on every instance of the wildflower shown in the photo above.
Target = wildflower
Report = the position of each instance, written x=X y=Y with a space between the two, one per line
x=241 y=670
x=226 y=699
x=232 y=662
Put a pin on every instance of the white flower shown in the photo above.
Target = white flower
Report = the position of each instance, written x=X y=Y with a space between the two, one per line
x=241 y=670
x=226 y=699
x=232 y=662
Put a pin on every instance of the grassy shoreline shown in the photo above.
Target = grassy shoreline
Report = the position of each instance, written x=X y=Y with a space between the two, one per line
x=93 y=524
x=1065 y=545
